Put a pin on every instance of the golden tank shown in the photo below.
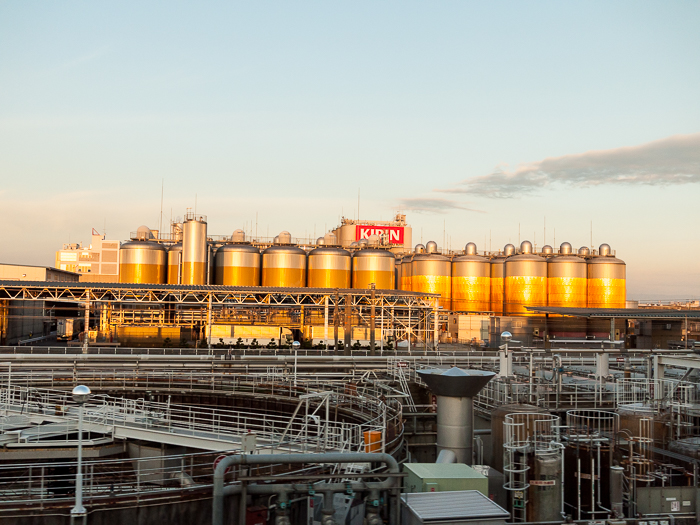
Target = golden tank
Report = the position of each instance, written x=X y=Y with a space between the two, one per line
x=284 y=267
x=174 y=263
x=525 y=282
x=329 y=267
x=194 y=250
x=238 y=264
x=398 y=263
x=432 y=273
x=567 y=280
x=606 y=280
x=372 y=265
x=497 y=284
x=471 y=282
x=406 y=273
x=142 y=262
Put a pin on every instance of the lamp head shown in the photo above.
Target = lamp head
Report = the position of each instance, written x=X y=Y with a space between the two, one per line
x=506 y=336
x=81 y=394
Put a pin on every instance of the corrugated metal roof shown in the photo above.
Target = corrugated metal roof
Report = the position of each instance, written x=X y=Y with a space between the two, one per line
x=458 y=504
x=618 y=313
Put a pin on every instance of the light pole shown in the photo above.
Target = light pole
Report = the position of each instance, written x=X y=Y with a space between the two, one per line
x=81 y=394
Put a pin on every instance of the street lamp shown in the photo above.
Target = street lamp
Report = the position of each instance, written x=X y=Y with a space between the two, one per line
x=81 y=394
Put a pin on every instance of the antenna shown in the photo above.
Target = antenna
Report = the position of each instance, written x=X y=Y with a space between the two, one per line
x=256 y=224
x=544 y=241
x=591 y=234
x=358 y=204
x=160 y=224
x=518 y=234
x=195 y=204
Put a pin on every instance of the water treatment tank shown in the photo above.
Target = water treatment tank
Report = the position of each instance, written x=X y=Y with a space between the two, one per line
x=175 y=264
x=432 y=273
x=238 y=264
x=606 y=281
x=329 y=267
x=142 y=262
x=284 y=267
x=371 y=265
x=567 y=281
x=525 y=281
x=471 y=282
x=194 y=250
x=497 y=284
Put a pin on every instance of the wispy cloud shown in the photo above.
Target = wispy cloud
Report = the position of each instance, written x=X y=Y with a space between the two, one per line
x=670 y=161
x=433 y=205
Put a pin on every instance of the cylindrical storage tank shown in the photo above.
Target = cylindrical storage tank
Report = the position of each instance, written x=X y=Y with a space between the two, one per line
x=567 y=281
x=544 y=493
x=142 y=262
x=238 y=265
x=432 y=273
x=194 y=250
x=606 y=281
x=398 y=263
x=498 y=416
x=373 y=441
x=329 y=267
x=497 y=284
x=471 y=283
x=373 y=266
x=525 y=281
x=644 y=422
x=284 y=267
x=406 y=275
x=175 y=263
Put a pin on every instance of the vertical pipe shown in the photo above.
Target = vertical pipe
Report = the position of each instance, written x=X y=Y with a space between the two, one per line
x=86 y=332
x=578 y=480
x=436 y=338
x=348 y=323
x=325 y=322
x=336 y=321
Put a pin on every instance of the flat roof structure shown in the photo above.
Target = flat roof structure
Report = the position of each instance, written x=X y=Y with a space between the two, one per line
x=617 y=313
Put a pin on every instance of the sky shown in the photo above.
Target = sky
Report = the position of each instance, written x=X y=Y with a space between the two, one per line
x=489 y=122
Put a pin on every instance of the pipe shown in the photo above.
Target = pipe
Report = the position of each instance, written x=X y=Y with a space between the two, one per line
x=372 y=509
x=270 y=459
x=328 y=509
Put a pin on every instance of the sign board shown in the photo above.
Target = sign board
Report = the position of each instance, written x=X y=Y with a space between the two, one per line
x=543 y=482
x=394 y=233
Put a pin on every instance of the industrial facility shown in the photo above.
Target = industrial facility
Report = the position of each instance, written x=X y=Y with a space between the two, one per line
x=352 y=380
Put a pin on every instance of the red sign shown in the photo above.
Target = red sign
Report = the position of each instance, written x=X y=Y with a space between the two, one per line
x=395 y=233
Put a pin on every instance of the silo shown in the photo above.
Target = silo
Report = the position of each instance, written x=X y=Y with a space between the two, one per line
x=406 y=273
x=284 y=266
x=432 y=273
x=142 y=262
x=371 y=265
x=567 y=279
x=606 y=280
x=471 y=282
x=329 y=267
x=238 y=264
x=525 y=281
x=175 y=263
x=398 y=268
x=194 y=250
x=497 y=283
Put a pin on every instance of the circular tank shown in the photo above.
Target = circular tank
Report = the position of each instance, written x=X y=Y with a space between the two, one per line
x=508 y=250
x=174 y=263
x=525 y=282
x=419 y=248
x=584 y=251
x=371 y=265
x=142 y=262
x=329 y=267
x=643 y=421
x=398 y=268
x=194 y=251
x=471 y=282
x=498 y=417
x=567 y=281
x=284 y=267
x=406 y=275
x=432 y=273
x=238 y=265
x=606 y=282
x=497 y=284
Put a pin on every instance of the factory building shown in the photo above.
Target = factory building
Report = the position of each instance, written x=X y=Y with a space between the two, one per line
x=395 y=234
x=98 y=262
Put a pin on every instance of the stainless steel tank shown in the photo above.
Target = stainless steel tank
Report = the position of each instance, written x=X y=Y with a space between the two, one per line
x=432 y=273
x=471 y=282
x=567 y=283
x=329 y=267
x=284 y=266
x=142 y=262
x=607 y=281
x=238 y=265
x=372 y=265
x=497 y=284
x=406 y=275
x=525 y=281
x=398 y=264
x=175 y=263
x=194 y=250
x=545 y=488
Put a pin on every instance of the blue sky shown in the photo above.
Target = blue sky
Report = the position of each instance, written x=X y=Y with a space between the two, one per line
x=471 y=117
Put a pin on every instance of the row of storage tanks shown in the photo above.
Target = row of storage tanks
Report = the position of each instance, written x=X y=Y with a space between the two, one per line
x=505 y=284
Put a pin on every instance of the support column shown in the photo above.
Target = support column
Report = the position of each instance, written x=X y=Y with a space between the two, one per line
x=348 y=324
x=86 y=333
x=372 y=314
x=436 y=335
x=336 y=321
x=209 y=306
x=325 y=322
x=602 y=363
x=659 y=373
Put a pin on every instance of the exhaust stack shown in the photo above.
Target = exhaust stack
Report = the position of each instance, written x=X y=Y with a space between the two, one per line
x=455 y=390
